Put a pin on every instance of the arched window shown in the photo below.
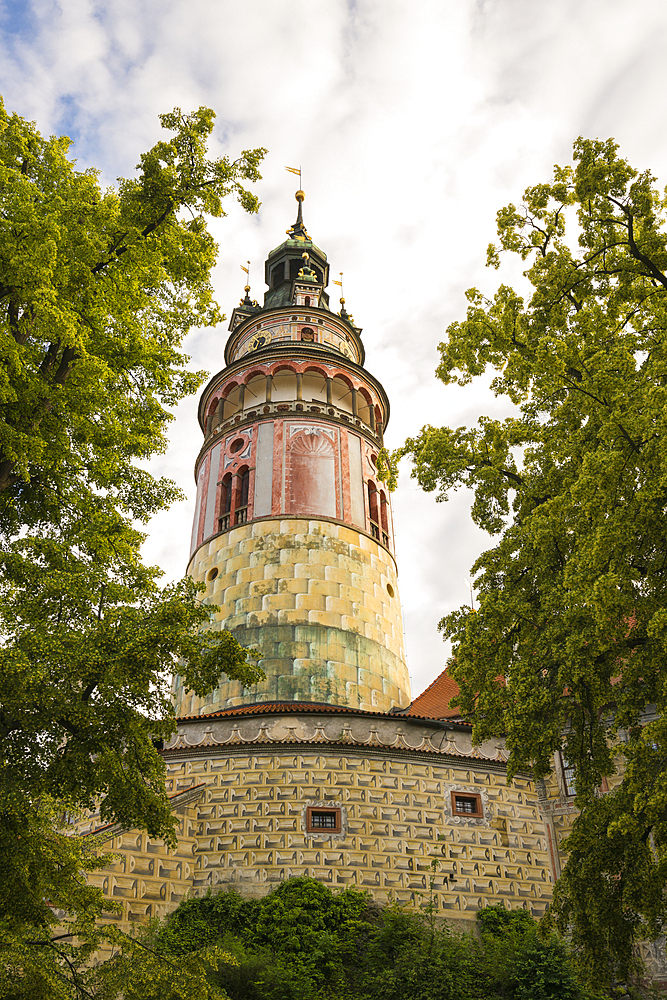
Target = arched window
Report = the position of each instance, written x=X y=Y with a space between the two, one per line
x=242 y=490
x=224 y=517
x=210 y=417
x=373 y=510
x=306 y=301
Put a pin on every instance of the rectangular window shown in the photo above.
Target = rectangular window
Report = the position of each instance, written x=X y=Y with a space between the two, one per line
x=322 y=820
x=464 y=804
x=567 y=770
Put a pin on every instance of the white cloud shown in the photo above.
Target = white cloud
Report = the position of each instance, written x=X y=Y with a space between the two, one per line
x=414 y=122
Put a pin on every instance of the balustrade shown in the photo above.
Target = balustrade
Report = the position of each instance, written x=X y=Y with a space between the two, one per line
x=293 y=406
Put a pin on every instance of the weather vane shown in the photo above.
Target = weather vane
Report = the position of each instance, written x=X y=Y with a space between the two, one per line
x=342 y=300
x=297 y=171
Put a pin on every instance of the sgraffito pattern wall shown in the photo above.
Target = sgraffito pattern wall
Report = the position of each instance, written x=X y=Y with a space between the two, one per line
x=320 y=602
x=245 y=823
x=252 y=830
x=145 y=878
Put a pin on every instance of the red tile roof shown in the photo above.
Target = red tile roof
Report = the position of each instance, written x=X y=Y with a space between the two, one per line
x=271 y=707
x=433 y=708
x=433 y=703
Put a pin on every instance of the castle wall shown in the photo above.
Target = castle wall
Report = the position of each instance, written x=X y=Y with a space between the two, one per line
x=252 y=779
x=557 y=807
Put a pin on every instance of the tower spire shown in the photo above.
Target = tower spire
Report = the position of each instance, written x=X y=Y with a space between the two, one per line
x=298 y=230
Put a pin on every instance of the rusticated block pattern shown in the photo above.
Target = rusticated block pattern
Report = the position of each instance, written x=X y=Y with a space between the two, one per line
x=145 y=879
x=247 y=829
x=252 y=833
x=319 y=601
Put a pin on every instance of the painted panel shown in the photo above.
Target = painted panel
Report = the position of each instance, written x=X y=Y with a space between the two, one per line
x=357 y=515
x=264 y=470
x=211 y=493
x=312 y=474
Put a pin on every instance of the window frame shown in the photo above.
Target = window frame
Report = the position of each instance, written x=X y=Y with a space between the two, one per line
x=479 y=811
x=326 y=831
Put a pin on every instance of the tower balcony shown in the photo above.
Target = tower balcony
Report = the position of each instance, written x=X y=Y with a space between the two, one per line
x=282 y=408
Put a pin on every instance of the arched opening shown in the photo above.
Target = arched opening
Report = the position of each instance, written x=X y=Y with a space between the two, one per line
x=373 y=510
x=307 y=334
x=255 y=391
x=242 y=491
x=314 y=387
x=277 y=274
x=210 y=415
x=225 y=508
x=231 y=401
x=306 y=301
x=341 y=393
x=283 y=385
x=365 y=408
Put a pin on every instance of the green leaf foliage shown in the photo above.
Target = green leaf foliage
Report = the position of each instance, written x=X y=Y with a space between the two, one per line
x=97 y=290
x=567 y=645
x=304 y=941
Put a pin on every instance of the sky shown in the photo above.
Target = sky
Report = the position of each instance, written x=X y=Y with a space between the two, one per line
x=414 y=121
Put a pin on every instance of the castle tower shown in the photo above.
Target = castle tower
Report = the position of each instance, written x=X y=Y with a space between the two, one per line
x=325 y=769
x=293 y=531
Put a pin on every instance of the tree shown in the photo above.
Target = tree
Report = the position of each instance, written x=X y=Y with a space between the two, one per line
x=303 y=941
x=97 y=290
x=567 y=646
